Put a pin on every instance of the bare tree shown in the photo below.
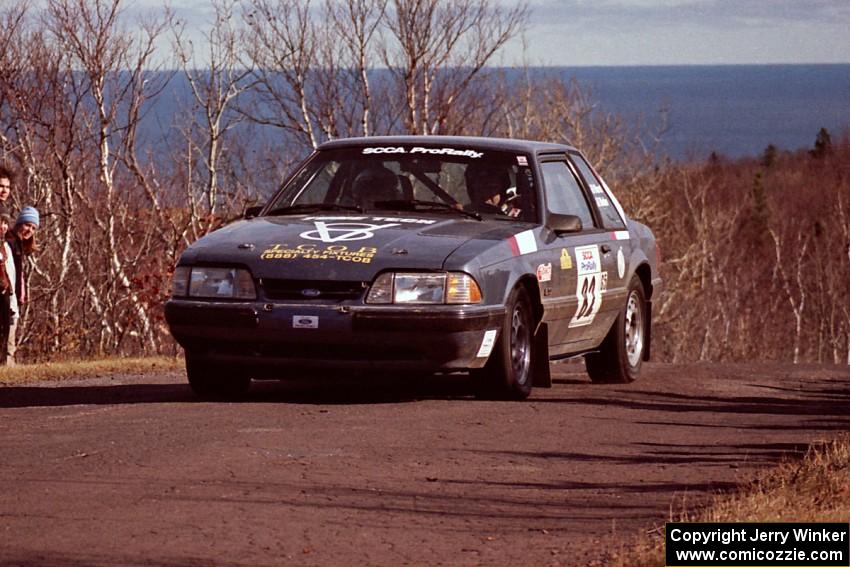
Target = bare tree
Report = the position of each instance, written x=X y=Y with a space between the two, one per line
x=39 y=117
x=106 y=65
x=356 y=23
x=793 y=285
x=281 y=47
x=216 y=81
x=315 y=66
x=439 y=49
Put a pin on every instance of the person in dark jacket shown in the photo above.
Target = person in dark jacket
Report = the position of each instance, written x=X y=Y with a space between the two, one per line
x=8 y=299
x=21 y=240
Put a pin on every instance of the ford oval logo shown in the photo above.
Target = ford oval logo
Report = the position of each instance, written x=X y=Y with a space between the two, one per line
x=311 y=292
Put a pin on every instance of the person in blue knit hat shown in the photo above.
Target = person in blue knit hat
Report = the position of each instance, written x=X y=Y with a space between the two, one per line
x=21 y=240
x=28 y=215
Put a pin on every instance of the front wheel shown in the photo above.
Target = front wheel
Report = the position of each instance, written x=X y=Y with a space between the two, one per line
x=211 y=381
x=507 y=375
x=621 y=353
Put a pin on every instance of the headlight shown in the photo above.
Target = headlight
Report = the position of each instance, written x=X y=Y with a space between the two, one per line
x=424 y=289
x=419 y=288
x=215 y=283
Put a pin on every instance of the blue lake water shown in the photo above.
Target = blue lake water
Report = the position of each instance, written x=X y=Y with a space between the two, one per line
x=734 y=110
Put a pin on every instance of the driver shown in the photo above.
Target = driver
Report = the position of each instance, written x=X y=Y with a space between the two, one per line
x=490 y=190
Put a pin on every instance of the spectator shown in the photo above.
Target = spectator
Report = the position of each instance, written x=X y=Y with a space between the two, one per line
x=21 y=240
x=7 y=178
x=8 y=300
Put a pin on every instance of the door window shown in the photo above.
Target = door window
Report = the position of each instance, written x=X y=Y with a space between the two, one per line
x=563 y=192
x=607 y=208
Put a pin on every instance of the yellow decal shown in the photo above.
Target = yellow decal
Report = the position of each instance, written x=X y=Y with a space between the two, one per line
x=566 y=260
x=338 y=252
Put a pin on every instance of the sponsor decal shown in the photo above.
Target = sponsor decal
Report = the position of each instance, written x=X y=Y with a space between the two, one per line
x=343 y=231
x=604 y=283
x=566 y=260
x=523 y=243
x=620 y=235
x=587 y=258
x=589 y=285
x=602 y=202
x=422 y=151
x=404 y=221
x=521 y=160
x=337 y=252
x=305 y=322
x=596 y=188
x=487 y=344
x=372 y=219
x=621 y=263
x=544 y=272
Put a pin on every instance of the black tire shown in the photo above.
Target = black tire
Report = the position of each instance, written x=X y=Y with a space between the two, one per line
x=621 y=353
x=508 y=373
x=215 y=381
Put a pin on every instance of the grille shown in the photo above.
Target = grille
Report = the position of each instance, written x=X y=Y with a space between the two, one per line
x=328 y=290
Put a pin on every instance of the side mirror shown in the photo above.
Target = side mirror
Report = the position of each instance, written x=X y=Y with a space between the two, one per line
x=251 y=212
x=561 y=224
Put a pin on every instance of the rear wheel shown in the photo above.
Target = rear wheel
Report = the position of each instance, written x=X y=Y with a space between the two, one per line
x=621 y=353
x=215 y=381
x=507 y=375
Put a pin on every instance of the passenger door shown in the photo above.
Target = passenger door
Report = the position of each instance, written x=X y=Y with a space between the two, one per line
x=613 y=219
x=575 y=307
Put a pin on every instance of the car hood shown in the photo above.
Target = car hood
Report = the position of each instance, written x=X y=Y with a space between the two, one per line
x=343 y=247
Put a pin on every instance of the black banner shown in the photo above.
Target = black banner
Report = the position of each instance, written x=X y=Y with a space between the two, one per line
x=757 y=544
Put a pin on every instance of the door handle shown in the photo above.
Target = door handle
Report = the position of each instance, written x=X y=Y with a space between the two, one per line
x=605 y=248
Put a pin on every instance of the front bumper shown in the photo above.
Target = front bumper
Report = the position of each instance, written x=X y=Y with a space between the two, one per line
x=332 y=336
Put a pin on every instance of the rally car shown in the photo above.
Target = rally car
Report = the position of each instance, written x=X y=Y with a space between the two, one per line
x=422 y=254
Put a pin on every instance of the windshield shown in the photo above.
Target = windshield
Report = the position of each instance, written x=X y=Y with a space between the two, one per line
x=407 y=177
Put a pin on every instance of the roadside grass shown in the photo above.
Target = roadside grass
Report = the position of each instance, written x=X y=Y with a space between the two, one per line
x=814 y=489
x=86 y=369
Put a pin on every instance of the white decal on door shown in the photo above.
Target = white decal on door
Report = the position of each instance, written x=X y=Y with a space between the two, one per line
x=588 y=286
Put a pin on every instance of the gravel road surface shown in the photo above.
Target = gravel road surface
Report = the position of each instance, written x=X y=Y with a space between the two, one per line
x=133 y=470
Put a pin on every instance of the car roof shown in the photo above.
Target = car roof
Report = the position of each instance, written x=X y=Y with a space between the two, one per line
x=496 y=144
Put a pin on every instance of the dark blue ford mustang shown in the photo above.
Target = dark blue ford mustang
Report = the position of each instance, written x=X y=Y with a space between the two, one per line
x=436 y=254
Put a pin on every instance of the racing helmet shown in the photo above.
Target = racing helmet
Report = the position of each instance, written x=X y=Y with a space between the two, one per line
x=484 y=180
x=375 y=183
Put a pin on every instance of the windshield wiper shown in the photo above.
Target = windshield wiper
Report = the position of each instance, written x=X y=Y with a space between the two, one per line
x=416 y=204
x=313 y=207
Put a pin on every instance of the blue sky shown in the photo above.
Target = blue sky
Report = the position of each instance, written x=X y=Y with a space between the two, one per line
x=650 y=32
x=661 y=32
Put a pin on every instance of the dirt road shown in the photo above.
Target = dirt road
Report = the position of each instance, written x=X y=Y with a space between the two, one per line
x=133 y=470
